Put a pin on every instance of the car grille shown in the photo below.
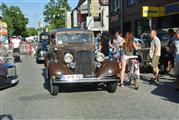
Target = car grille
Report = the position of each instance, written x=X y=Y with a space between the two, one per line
x=84 y=62
x=41 y=53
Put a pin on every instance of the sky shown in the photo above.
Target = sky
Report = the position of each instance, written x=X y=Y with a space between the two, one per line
x=33 y=9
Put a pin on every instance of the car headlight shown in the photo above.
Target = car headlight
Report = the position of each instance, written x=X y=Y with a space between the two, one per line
x=42 y=52
x=68 y=58
x=99 y=56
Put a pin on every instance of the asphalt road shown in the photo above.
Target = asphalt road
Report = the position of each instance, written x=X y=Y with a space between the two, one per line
x=31 y=100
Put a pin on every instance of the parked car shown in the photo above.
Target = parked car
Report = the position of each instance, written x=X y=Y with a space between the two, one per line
x=72 y=58
x=42 y=47
x=8 y=75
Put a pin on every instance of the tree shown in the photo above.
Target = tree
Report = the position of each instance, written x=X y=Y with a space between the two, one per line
x=31 y=32
x=6 y=18
x=15 y=19
x=54 y=13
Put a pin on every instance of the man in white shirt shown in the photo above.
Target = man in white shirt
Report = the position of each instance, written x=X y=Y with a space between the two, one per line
x=16 y=44
x=155 y=53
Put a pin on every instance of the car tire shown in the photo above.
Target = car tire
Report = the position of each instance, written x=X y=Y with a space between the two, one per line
x=111 y=87
x=54 y=89
x=46 y=62
x=37 y=60
x=47 y=75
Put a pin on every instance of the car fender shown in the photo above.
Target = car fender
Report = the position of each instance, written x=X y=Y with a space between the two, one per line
x=3 y=71
x=109 y=68
x=56 y=68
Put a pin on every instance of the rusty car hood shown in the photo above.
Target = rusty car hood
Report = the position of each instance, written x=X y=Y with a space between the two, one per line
x=77 y=47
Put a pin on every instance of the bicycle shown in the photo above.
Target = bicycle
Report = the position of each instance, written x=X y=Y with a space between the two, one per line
x=133 y=70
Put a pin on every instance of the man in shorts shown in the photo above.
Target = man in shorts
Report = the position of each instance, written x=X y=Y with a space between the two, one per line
x=155 y=53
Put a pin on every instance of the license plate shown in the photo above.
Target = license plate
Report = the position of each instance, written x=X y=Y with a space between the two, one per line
x=11 y=72
x=72 y=77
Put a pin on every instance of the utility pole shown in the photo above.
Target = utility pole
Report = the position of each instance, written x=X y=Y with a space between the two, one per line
x=102 y=20
x=121 y=17
x=89 y=14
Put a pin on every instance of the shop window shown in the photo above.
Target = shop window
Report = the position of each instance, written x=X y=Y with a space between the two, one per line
x=116 y=5
x=141 y=26
x=112 y=6
x=131 y=2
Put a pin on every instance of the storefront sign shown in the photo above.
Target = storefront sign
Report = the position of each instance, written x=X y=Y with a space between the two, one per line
x=172 y=9
x=155 y=11
x=152 y=11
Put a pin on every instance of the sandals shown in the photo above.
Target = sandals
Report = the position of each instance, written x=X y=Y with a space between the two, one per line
x=154 y=79
x=120 y=85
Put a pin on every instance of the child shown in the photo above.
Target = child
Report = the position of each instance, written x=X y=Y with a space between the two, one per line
x=116 y=49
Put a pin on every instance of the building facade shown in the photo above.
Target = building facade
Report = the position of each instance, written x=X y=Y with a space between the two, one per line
x=68 y=19
x=127 y=15
x=92 y=15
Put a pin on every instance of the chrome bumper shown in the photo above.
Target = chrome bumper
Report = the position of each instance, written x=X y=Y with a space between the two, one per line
x=86 y=80
x=7 y=82
x=15 y=81
x=41 y=58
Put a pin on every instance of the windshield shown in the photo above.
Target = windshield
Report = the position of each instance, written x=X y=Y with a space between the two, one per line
x=44 y=37
x=63 y=38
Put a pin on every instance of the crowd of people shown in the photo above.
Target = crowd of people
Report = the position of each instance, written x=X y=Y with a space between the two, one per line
x=122 y=47
x=17 y=45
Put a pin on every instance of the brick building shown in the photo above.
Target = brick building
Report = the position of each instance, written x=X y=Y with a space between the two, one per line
x=127 y=14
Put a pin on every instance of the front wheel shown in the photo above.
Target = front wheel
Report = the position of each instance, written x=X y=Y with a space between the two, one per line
x=53 y=88
x=111 y=87
x=37 y=60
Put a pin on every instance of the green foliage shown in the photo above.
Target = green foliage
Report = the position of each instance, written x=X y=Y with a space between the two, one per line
x=31 y=32
x=15 y=19
x=54 y=13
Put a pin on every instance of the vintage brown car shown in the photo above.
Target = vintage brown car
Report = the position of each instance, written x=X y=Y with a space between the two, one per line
x=72 y=58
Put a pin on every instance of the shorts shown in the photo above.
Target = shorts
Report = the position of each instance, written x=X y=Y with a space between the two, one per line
x=176 y=68
x=155 y=61
x=16 y=50
x=123 y=58
x=117 y=56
